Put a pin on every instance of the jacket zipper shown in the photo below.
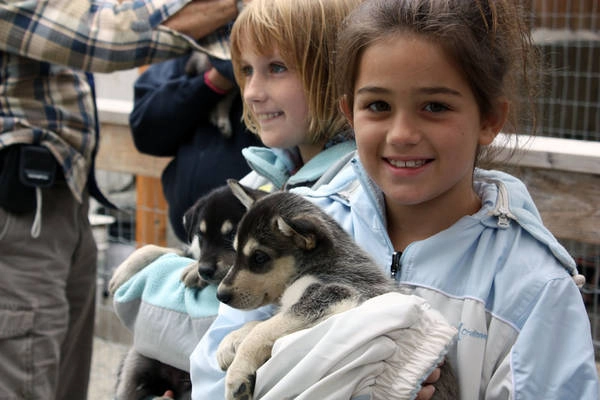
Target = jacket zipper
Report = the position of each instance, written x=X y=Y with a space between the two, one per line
x=396 y=267
x=502 y=210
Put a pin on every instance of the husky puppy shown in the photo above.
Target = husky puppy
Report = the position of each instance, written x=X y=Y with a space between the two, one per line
x=292 y=254
x=211 y=224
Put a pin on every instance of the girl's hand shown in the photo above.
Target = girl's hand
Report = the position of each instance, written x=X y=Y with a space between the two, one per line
x=428 y=389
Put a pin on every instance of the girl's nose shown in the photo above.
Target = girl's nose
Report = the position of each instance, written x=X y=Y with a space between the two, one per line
x=254 y=90
x=403 y=130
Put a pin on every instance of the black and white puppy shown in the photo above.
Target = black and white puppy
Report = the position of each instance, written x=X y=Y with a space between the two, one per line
x=292 y=254
x=211 y=224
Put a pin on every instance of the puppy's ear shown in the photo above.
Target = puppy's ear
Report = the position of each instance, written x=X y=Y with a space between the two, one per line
x=245 y=195
x=190 y=218
x=307 y=231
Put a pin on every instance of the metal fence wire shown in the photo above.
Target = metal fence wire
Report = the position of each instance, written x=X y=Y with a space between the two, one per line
x=567 y=33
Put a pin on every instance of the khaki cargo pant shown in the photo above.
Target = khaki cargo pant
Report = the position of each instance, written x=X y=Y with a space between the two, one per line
x=47 y=300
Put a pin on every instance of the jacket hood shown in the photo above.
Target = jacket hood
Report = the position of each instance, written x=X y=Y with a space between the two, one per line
x=512 y=202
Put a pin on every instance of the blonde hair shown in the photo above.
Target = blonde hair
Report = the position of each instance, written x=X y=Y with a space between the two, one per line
x=304 y=32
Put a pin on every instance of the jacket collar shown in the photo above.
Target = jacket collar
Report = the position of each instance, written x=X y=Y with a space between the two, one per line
x=505 y=201
x=283 y=169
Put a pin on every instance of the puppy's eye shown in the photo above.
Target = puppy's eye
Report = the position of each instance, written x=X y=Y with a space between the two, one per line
x=230 y=236
x=260 y=257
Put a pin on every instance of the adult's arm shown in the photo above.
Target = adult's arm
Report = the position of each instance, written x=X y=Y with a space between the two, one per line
x=168 y=107
x=108 y=35
x=202 y=17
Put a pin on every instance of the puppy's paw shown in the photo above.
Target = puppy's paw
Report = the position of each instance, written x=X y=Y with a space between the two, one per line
x=230 y=343
x=239 y=387
x=226 y=350
x=220 y=119
x=191 y=278
x=219 y=115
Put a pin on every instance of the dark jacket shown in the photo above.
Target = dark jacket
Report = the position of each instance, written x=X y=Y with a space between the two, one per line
x=170 y=117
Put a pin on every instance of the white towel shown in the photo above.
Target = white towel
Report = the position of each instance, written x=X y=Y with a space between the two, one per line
x=383 y=349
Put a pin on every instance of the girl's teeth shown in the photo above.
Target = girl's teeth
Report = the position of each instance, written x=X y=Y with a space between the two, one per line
x=407 y=164
x=269 y=115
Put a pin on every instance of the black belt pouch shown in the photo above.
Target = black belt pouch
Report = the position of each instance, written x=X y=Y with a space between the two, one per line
x=22 y=169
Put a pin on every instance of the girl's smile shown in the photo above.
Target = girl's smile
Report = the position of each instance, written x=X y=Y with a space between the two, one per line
x=263 y=117
x=407 y=164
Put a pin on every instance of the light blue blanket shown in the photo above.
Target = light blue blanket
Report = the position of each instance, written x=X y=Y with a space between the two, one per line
x=167 y=312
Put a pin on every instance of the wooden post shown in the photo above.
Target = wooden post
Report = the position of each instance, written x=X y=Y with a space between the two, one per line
x=151 y=212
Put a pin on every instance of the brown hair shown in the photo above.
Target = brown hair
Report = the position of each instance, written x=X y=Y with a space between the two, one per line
x=489 y=40
x=304 y=32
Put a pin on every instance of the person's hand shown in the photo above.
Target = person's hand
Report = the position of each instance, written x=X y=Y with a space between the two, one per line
x=218 y=80
x=428 y=389
x=199 y=18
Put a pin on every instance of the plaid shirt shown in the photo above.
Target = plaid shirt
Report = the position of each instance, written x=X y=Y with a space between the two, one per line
x=50 y=103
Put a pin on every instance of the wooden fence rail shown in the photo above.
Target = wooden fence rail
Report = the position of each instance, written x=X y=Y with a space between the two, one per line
x=562 y=175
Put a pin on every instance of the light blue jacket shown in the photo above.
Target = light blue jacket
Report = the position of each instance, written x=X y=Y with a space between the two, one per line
x=499 y=276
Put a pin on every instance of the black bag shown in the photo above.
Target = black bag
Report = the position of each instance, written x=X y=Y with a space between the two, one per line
x=22 y=169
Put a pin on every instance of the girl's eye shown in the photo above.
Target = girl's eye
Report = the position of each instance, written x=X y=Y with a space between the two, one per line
x=436 y=107
x=246 y=70
x=277 y=68
x=378 y=106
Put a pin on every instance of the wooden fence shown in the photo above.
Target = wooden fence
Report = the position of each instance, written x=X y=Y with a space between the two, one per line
x=563 y=176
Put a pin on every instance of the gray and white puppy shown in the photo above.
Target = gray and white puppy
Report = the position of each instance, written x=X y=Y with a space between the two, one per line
x=292 y=254
x=211 y=224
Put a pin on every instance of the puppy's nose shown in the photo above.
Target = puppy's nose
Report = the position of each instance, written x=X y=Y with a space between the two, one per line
x=207 y=271
x=224 y=296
